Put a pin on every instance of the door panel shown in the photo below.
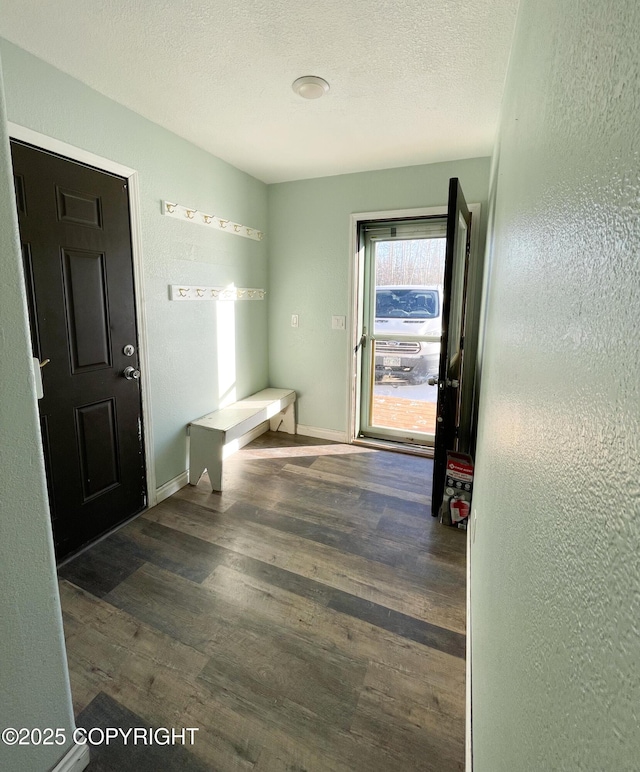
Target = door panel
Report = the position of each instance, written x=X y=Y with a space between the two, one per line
x=458 y=285
x=76 y=207
x=86 y=309
x=27 y=265
x=452 y=348
x=76 y=242
x=97 y=437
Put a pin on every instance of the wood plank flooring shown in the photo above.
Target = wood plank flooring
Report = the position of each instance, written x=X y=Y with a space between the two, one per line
x=310 y=618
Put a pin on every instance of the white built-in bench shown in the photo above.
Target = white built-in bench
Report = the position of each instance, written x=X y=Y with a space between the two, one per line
x=215 y=436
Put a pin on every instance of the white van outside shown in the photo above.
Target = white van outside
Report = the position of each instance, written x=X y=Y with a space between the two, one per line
x=407 y=310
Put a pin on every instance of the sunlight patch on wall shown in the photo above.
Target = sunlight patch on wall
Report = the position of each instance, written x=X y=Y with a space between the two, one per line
x=226 y=350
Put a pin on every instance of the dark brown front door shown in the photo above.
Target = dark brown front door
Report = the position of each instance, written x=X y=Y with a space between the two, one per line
x=452 y=347
x=76 y=244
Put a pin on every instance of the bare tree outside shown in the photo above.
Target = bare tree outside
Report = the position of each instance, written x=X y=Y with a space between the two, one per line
x=410 y=261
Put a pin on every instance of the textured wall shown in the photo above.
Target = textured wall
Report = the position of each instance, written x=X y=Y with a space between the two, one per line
x=555 y=567
x=192 y=364
x=33 y=668
x=309 y=266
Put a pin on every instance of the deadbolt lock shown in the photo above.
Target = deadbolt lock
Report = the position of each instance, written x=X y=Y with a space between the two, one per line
x=129 y=350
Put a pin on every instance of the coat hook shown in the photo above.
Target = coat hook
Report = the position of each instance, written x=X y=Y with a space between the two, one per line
x=211 y=219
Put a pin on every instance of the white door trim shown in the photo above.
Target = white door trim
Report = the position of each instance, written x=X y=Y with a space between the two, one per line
x=356 y=268
x=356 y=264
x=53 y=145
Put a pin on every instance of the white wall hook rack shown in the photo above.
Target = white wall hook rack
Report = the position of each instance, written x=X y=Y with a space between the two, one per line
x=195 y=292
x=184 y=213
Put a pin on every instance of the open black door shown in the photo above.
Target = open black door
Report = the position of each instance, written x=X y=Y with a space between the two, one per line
x=452 y=348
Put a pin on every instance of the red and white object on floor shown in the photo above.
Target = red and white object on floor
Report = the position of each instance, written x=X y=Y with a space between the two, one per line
x=456 y=504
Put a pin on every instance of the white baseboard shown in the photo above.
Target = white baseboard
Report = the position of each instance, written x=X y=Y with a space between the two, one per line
x=322 y=434
x=75 y=760
x=171 y=487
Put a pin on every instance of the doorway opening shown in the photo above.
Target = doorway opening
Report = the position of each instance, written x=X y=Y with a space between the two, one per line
x=416 y=287
x=401 y=279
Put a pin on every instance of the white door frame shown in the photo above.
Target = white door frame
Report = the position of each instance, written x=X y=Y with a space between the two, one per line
x=24 y=134
x=356 y=269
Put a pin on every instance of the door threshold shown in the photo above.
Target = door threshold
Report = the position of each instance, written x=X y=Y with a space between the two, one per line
x=398 y=447
x=89 y=545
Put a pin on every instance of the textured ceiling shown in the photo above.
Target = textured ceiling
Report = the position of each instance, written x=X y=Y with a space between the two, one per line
x=412 y=81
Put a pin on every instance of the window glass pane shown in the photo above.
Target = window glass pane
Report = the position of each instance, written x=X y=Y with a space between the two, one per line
x=398 y=302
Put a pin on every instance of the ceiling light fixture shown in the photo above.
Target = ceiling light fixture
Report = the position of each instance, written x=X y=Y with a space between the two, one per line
x=310 y=87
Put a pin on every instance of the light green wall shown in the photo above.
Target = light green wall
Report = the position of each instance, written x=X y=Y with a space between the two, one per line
x=555 y=569
x=309 y=265
x=183 y=337
x=33 y=669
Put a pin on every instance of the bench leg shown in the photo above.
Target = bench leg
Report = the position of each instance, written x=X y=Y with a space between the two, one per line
x=285 y=421
x=206 y=453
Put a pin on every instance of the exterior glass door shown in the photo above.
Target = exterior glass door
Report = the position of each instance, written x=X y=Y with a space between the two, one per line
x=402 y=325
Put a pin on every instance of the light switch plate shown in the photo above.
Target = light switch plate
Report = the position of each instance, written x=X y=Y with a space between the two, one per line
x=294 y=320
x=338 y=322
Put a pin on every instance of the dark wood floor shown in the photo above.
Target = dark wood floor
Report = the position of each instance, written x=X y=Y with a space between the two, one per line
x=311 y=617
